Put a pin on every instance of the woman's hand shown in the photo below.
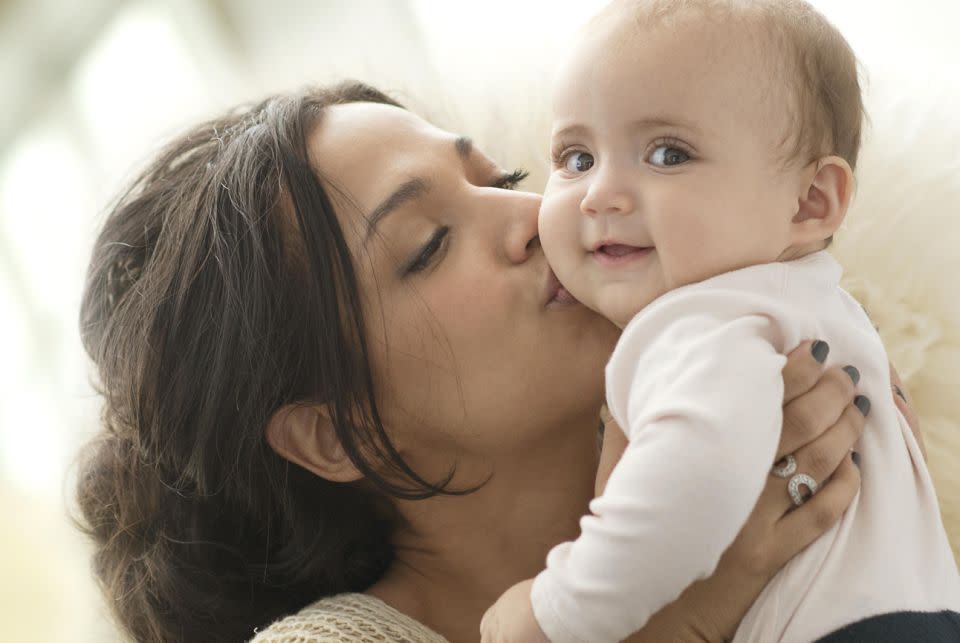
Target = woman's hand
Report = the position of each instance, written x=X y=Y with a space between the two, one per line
x=821 y=424
x=511 y=618
x=822 y=419
x=900 y=399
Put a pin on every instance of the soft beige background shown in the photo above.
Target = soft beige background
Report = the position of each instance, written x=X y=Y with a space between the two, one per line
x=90 y=87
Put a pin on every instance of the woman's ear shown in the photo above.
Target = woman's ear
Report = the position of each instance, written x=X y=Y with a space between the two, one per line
x=823 y=201
x=304 y=435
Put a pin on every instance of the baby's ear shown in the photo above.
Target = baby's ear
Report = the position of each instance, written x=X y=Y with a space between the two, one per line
x=823 y=203
x=304 y=434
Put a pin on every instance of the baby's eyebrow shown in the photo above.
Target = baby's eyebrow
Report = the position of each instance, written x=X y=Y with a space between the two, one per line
x=664 y=121
x=570 y=130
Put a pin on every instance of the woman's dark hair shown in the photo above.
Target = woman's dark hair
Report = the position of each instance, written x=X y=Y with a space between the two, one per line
x=221 y=289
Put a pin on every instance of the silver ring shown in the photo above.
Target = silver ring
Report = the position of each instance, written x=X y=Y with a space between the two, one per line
x=786 y=469
x=794 y=488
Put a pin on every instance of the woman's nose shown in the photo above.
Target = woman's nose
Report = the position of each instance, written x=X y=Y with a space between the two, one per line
x=609 y=193
x=521 y=238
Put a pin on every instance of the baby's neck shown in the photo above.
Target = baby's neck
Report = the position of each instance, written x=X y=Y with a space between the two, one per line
x=798 y=252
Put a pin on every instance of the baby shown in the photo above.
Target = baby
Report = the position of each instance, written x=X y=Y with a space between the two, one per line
x=703 y=155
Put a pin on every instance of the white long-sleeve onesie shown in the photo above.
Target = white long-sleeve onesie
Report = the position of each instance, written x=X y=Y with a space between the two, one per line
x=695 y=382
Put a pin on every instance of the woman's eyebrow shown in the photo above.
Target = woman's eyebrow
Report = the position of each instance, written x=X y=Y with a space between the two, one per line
x=464 y=147
x=407 y=191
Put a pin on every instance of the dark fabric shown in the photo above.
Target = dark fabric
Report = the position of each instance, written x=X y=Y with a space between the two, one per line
x=901 y=627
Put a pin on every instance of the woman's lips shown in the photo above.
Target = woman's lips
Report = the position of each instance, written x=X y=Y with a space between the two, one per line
x=618 y=254
x=563 y=296
x=556 y=293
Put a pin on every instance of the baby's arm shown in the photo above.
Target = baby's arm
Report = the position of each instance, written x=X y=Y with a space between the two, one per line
x=614 y=444
x=701 y=401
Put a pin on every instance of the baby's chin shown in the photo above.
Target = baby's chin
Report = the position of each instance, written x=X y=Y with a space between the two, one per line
x=621 y=302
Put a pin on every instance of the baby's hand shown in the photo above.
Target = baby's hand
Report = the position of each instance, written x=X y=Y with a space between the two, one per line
x=511 y=619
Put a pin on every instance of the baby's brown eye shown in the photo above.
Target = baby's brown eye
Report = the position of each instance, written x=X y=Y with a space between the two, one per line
x=577 y=162
x=668 y=156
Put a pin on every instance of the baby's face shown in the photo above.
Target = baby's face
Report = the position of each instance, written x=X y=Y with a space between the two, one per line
x=665 y=165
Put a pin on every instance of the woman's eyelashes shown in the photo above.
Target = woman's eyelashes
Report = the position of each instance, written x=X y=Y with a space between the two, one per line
x=430 y=250
x=434 y=248
x=510 y=180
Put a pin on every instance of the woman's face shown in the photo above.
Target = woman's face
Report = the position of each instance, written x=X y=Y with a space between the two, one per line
x=472 y=357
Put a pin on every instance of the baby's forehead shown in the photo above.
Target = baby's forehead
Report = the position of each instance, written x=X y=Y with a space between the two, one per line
x=717 y=40
x=780 y=61
x=731 y=34
x=680 y=64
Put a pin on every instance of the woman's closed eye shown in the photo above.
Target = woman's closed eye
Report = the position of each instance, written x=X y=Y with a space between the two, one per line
x=438 y=242
x=430 y=251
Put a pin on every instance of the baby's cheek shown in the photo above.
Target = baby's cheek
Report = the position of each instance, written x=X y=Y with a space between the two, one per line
x=683 y=243
x=557 y=226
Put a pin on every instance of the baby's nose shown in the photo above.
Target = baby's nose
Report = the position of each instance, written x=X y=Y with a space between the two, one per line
x=608 y=195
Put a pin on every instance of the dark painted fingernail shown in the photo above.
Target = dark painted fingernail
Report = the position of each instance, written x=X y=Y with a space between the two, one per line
x=855 y=456
x=820 y=351
x=853 y=373
x=896 y=389
x=862 y=403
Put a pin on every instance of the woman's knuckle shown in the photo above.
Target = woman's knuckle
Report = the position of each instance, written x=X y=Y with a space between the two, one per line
x=803 y=381
x=856 y=421
x=824 y=515
x=818 y=460
x=796 y=420
x=757 y=560
x=850 y=425
x=797 y=368
x=843 y=384
x=790 y=428
x=803 y=422
x=855 y=479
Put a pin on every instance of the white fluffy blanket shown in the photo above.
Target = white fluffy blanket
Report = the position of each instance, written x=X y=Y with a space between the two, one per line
x=900 y=250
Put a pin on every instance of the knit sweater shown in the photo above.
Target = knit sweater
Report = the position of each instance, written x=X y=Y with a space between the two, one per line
x=348 y=618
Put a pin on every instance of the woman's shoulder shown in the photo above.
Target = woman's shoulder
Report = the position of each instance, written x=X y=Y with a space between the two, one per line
x=348 y=618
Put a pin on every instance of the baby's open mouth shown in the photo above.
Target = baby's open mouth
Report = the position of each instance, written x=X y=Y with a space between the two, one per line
x=619 y=253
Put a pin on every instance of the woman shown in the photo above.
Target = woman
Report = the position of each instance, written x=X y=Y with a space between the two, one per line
x=334 y=360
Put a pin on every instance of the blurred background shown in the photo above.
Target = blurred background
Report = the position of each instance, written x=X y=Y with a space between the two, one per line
x=91 y=88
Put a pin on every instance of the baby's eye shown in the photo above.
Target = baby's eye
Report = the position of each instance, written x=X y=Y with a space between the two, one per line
x=668 y=156
x=577 y=162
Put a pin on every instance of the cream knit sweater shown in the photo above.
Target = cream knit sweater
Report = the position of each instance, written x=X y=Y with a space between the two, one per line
x=348 y=618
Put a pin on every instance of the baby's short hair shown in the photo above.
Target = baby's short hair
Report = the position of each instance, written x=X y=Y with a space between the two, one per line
x=812 y=57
